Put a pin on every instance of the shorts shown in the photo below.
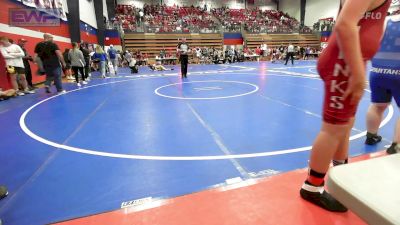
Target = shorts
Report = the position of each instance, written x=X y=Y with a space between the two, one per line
x=19 y=70
x=384 y=87
x=336 y=110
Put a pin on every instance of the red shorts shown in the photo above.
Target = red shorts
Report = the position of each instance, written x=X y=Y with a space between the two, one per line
x=336 y=110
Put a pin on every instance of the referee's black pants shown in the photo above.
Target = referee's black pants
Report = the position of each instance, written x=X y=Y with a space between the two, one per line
x=184 y=64
x=291 y=55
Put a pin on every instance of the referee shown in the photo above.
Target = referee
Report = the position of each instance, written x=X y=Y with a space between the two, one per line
x=183 y=49
x=290 y=53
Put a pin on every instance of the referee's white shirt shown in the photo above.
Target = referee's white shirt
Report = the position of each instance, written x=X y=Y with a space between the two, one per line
x=290 y=48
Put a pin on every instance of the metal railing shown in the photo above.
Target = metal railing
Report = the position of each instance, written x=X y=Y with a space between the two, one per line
x=174 y=29
x=279 y=30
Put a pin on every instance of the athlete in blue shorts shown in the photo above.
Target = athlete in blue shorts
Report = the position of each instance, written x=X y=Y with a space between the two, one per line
x=385 y=84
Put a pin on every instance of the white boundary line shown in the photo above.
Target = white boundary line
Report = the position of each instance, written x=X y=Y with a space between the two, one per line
x=256 y=88
x=168 y=158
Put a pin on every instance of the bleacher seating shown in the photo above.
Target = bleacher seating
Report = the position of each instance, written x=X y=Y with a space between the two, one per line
x=275 y=40
x=166 y=24
x=164 y=19
x=152 y=44
x=258 y=21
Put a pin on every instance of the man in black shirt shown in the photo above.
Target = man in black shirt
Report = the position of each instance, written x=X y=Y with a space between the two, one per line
x=50 y=57
x=26 y=59
x=183 y=50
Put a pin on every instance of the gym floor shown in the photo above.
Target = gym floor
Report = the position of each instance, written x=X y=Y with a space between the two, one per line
x=227 y=145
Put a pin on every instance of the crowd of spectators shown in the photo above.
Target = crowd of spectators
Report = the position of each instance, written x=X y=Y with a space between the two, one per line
x=257 y=21
x=396 y=12
x=324 y=25
x=127 y=16
x=206 y=55
x=162 y=18
x=49 y=61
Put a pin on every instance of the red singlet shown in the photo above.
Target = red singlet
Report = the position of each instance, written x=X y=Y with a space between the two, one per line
x=334 y=71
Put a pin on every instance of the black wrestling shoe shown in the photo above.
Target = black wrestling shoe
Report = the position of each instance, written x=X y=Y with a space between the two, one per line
x=3 y=192
x=392 y=149
x=372 y=139
x=324 y=200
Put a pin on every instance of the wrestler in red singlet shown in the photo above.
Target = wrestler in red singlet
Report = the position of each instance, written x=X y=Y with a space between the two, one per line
x=333 y=69
x=357 y=33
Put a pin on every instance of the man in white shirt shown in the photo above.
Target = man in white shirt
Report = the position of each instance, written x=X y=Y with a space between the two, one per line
x=290 y=53
x=13 y=55
x=183 y=50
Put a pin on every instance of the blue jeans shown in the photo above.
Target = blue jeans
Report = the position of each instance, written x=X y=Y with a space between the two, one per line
x=103 y=68
x=53 y=73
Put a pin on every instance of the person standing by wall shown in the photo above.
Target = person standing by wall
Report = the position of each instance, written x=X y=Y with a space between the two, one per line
x=15 y=65
x=342 y=68
x=67 y=68
x=77 y=63
x=50 y=57
x=183 y=50
x=26 y=59
x=86 y=55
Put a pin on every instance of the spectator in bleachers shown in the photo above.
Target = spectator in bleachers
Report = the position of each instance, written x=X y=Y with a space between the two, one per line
x=13 y=55
x=395 y=12
x=161 y=18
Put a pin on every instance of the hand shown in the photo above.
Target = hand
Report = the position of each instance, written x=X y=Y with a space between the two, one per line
x=355 y=89
x=63 y=64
